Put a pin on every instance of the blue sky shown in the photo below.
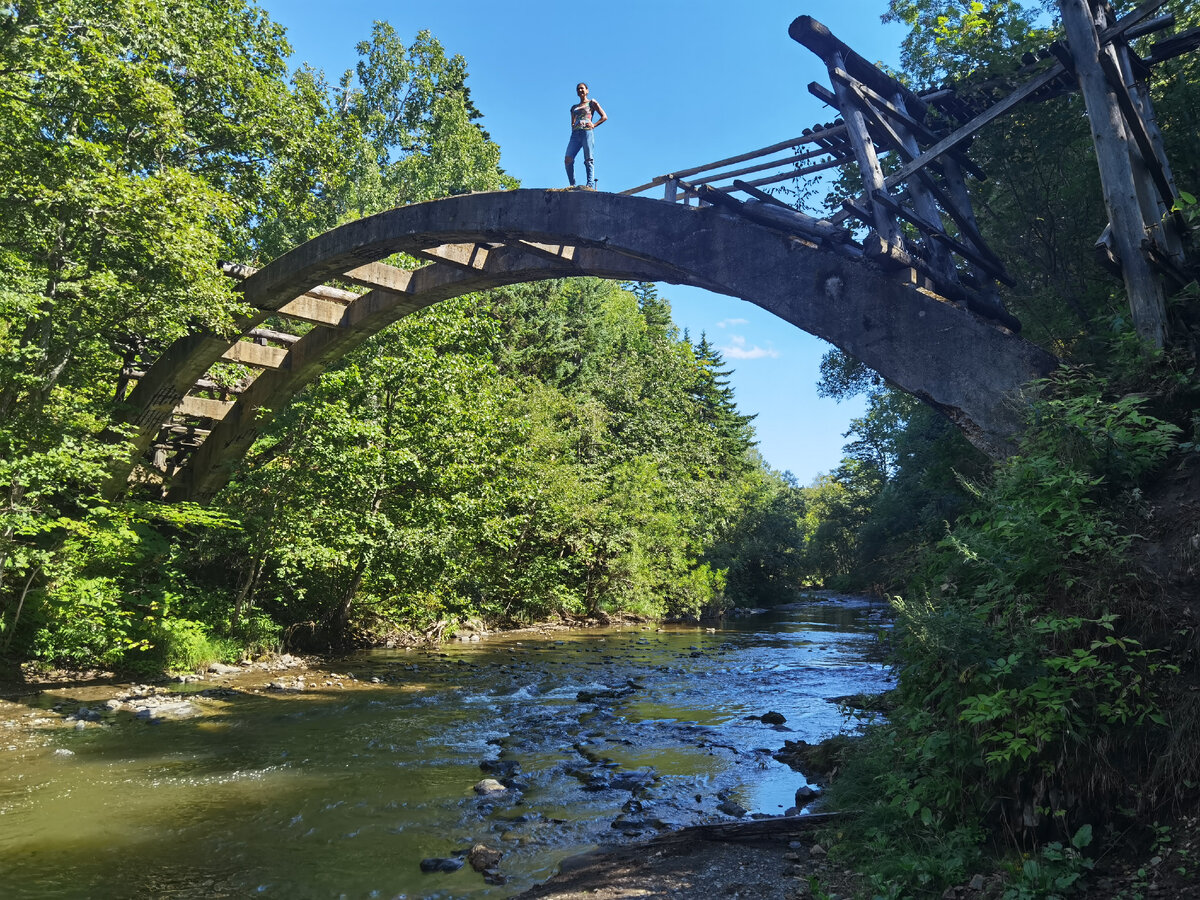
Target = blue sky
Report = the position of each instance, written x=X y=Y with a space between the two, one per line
x=684 y=82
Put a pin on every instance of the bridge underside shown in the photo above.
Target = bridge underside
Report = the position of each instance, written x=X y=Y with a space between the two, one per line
x=969 y=368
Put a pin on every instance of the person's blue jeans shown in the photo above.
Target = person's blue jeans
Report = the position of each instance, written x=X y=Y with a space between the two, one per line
x=581 y=139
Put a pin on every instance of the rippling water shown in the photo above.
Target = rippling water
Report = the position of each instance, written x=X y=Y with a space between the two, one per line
x=330 y=793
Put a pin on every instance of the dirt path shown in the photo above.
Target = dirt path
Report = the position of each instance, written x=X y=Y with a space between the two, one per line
x=772 y=859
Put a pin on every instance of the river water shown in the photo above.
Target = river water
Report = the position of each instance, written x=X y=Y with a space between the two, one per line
x=341 y=785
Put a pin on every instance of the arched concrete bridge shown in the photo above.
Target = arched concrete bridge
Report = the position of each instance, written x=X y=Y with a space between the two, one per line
x=971 y=369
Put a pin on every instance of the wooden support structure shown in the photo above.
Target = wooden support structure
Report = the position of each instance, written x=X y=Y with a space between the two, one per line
x=929 y=134
x=1124 y=198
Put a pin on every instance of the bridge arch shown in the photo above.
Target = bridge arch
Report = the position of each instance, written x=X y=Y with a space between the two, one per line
x=971 y=369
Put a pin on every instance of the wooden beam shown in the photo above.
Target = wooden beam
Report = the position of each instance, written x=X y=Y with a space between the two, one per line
x=956 y=137
x=863 y=144
x=203 y=409
x=905 y=144
x=1145 y=293
x=251 y=354
x=769 y=214
x=785 y=176
x=820 y=40
x=759 y=167
x=887 y=108
x=279 y=337
x=774 y=148
x=1137 y=129
x=759 y=195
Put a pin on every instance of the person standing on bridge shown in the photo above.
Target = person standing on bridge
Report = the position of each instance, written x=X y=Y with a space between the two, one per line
x=582 y=138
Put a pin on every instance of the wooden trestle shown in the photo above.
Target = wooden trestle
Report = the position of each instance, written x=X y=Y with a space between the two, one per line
x=929 y=134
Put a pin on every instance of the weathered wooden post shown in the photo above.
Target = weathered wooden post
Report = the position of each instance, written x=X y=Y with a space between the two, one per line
x=1121 y=198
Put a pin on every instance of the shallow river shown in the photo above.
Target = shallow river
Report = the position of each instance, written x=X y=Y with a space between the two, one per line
x=329 y=791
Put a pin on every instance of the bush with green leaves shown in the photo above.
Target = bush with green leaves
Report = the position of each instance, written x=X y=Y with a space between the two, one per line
x=1023 y=696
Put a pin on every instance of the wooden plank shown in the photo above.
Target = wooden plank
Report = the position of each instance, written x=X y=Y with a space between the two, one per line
x=787 y=176
x=202 y=408
x=774 y=148
x=251 y=354
x=769 y=164
x=1153 y=25
x=1176 y=46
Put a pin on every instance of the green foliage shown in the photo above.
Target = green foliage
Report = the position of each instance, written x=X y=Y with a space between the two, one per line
x=1022 y=695
x=551 y=449
x=958 y=37
x=1053 y=872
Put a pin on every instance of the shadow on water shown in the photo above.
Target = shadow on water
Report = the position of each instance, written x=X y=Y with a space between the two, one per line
x=599 y=735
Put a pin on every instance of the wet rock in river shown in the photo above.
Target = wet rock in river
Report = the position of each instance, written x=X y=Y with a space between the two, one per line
x=773 y=718
x=633 y=781
x=731 y=808
x=504 y=768
x=607 y=695
x=489 y=786
x=482 y=857
x=442 y=864
x=805 y=795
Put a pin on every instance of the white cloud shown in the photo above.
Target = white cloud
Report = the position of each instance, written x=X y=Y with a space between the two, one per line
x=737 y=349
x=725 y=323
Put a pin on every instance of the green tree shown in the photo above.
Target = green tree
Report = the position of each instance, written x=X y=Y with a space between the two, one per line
x=136 y=139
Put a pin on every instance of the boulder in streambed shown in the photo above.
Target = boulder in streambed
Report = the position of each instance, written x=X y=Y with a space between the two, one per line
x=504 y=768
x=489 y=786
x=482 y=857
x=731 y=808
x=442 y=864
x=805 y=795
x=773 y=718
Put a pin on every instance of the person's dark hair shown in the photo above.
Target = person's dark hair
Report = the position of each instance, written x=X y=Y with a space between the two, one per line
x=584 y=83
